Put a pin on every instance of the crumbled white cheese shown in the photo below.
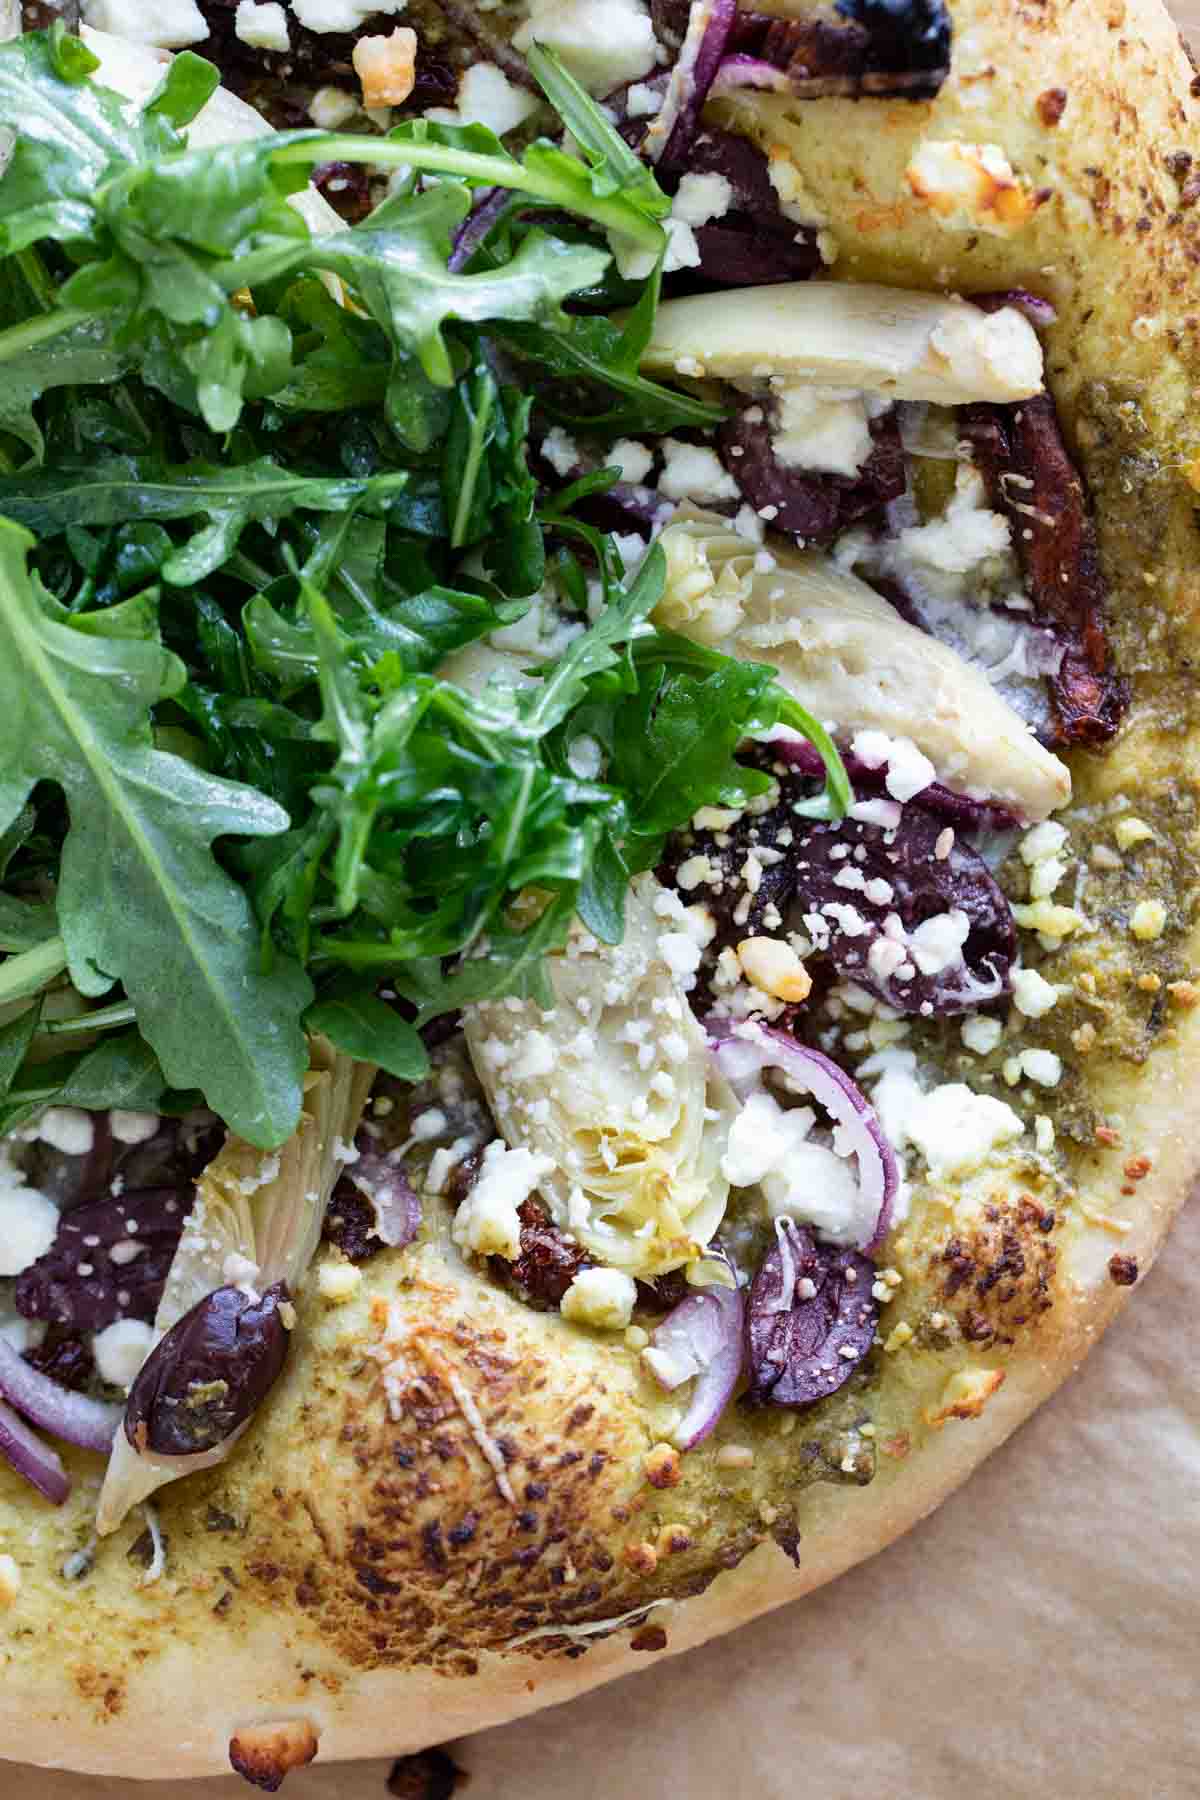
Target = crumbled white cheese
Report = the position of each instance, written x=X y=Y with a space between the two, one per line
x=937 y=944
x=487 y=1222
x=1148 y=920
x=66 y=1128
x=342 y=15
x=954 y=1128
x=168 y=25
x=702 y=198
x=768 y=1146
x=560 y=451
x=633 y=459
x=487 y=97
x=604 y=43
x=535 y=1058
x=981 y=1033
x=1042 y=1066
x=634 y=261
x=386 y=66
x=331 y=107
x=643 y=101
x=1043 y=1134
x=262 y=27
x=820 y=428
x=970 y=187
x=132 y=1127
x=338 y=1281
x=1042 y=843
x=693 y=472
x=121 y=1349
x=909 y=770
x=28 y=1220
x=1049 y=919
x=950 y=551
x=1033 y=995
x=1130 y=831
x=602 y=1298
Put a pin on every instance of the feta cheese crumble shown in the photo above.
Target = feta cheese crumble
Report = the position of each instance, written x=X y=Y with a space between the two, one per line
x=602 y=1298
x=488 y=1222
x=121 y=1349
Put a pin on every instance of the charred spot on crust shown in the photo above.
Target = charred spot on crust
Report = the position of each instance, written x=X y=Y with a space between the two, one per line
x=265 y=1754
x=429 y=1775
x=997 y=1276
x=1123 y=1270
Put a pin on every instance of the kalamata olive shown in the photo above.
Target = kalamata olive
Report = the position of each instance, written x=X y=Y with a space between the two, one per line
x=108 y=1261
x=209 y=1374
x=812 y=505
x=811 y=1318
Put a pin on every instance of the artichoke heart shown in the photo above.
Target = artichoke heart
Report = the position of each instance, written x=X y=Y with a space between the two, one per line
x=256 y=1214
x=844 y=652
x=615 y=1086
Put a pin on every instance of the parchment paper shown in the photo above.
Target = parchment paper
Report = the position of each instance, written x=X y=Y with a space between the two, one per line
x=1040 y=1634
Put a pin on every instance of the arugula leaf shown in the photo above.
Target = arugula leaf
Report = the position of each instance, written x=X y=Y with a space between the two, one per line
x=398 y=271
x=141 y=898
x=120 y=1072
x=74 y=135
x=615 y=166
x=594 y=652
x=15 y=1039
x=32 y=970
x=124 y=488
x=24 y=923
x=596 y=350
x=362 y=1025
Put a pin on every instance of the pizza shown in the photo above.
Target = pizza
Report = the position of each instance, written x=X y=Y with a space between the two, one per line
x=598 y=823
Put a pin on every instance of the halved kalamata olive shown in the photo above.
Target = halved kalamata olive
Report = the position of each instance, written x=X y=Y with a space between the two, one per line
x=108 y=1261
x=209 y=1374
x=812 y=505
x=811 y=1318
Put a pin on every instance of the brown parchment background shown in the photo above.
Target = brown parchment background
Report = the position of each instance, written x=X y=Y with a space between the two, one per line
x=1039 y=1635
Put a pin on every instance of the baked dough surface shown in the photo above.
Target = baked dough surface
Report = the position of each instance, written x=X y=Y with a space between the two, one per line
x=371 y=1582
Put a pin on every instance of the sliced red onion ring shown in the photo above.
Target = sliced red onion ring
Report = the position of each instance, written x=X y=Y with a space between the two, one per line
x=744 y=1052
x=489 y=204
x=386 y=1185
x=670 y=134
x=701 y=1340
x=30 y=1457
x=742 y=71
x=1039 y=311
x=74 y=1417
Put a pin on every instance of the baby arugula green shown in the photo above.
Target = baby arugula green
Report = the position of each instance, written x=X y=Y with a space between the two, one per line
x=263 y=489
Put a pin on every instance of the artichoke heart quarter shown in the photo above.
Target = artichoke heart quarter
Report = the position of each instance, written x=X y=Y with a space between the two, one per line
x=614 y=1084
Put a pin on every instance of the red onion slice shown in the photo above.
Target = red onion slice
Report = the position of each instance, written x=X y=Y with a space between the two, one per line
x=74 y=1417
x=1039 y=311
x=744 y=1052
x=742 y=71
x=386 y=1185
x=30 y=1457
x=701 y=1340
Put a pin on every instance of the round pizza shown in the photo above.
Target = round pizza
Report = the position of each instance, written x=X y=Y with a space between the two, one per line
x=598 y=822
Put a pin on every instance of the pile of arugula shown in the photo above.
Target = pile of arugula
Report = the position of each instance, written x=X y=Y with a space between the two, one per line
x=257 y=485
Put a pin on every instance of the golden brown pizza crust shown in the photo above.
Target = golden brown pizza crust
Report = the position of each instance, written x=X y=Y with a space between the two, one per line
x=374 y=1581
